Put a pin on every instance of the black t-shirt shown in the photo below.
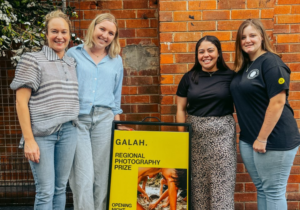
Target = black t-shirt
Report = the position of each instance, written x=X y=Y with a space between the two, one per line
x=252 y=90
x=211 y=96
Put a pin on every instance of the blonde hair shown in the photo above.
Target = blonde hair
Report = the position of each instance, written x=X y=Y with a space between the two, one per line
x=242 y=58
x=114 y=48
x=57 y=14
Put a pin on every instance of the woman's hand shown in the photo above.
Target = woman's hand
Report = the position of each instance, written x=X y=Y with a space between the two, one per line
x=123 y=127
x=153 y=206
x=32 y=151
x=259 y=147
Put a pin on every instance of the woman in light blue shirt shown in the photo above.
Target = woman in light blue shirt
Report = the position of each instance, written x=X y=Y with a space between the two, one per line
x=100 y=74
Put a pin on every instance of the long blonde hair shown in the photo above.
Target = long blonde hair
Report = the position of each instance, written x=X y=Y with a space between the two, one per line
x=114 y=48
x=242 y=58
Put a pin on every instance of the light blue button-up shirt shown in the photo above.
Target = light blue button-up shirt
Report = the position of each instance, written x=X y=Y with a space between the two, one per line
x=98 y=84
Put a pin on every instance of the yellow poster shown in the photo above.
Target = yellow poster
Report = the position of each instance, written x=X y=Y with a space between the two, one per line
x=149 y=170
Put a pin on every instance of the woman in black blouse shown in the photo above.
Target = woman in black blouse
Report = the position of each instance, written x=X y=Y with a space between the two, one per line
x=204 y=94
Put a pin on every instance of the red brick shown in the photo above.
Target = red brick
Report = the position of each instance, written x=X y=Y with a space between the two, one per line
x=222 y=35
x=91 y=14
x=192 y=47
x=238 y=206
x=153 y=3
x=135 y=117
x=143 y=80
x=173 y=6
x=296 y=9
x=124 y=14
x=244 y=197
x=250 y=187
x=165 y=16
x=202 y=5
x=291 y=57
x=137 y=23
x=293 y=196
x=187 y=16
x=154 y=23
x=166 y=79
x=231 y=4
x=148 y=90
x=139 y=41
x=295 y=48
x=216 y=15
x=135 y=4
x=109 y=5
x=187 y=36
x=240 y=168
x=154 y=99
x=166 y=58
x=281 y=29
x=229 y=25
x=139 y=99
x=228 y=46
x=173 y=26
x=267 y=13
x=295 y=28
x=282 y=9
x=260 y=4
x=250 y=206
x=282 y=19
x=167 y=118
x=282 y=48
x=168 y=109
x=173 y=69
x=244 y=14
x=147 y=108
x=292 y=188
x=185 y=58
x=88 y=5
x=239 y=187
x=83 y=24
x=166 y=100
x=151 y=32
x=288 y=38
x=243 y=178
x=178 y=78
x=202 y=26
x=121 y=23
x=149 y=13
x=166 y=37
x=268 y=24
x=168 y=89
x=126 y=33
x=295 y=66
x=288 y=2
x=295 y=86
x=293 y=205
x=173 y=47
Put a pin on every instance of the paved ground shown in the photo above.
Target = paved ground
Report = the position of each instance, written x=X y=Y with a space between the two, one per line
x=23 y=208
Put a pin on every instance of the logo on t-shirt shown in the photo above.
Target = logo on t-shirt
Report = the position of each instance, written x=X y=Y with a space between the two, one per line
x=253 y=73
x=281 y=81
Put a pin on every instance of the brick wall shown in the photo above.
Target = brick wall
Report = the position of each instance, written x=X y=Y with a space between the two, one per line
x=183 y=23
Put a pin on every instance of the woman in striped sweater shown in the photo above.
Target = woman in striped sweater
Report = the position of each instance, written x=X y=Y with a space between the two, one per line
x=47 y=103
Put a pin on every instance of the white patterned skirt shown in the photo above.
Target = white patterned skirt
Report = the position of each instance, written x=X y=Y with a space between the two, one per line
x=213 y=162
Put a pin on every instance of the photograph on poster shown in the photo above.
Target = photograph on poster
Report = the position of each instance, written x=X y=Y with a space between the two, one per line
x=161 y=188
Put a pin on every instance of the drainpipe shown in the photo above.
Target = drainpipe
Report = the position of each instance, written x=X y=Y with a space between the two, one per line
x=64 y=5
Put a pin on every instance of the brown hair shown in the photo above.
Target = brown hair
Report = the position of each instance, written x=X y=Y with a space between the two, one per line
x=57 y=14
x=242 y=58
x=114 y=48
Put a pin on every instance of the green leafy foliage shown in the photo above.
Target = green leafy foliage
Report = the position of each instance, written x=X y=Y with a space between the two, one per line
x=22 y=26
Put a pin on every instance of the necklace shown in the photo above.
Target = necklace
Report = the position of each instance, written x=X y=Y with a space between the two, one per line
x=210 y=74
x=96 y=55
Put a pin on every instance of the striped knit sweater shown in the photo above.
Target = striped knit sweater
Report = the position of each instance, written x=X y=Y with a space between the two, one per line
x=54 y=98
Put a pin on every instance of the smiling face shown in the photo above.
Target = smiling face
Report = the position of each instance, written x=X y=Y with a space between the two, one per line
x=104 y=34
x=207 y=56
x=251 y=42
x=58 y=35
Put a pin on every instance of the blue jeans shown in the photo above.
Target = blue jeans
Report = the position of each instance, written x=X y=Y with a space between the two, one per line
x=52 y=172
x=89 y=174
x=269 y=172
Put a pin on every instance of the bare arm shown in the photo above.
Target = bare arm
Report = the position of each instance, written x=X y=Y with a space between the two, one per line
x=31 y=148
x=163 y=196
x=272 y=116
x=181 y=111
x=141 y=190
x=121 y=127
x=172 y=195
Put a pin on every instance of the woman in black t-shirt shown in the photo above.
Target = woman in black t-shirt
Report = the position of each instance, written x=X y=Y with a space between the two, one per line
x=204 y=94
x=269 y=137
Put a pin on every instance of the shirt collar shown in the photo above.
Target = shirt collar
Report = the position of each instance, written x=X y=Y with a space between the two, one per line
x=52 y=56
